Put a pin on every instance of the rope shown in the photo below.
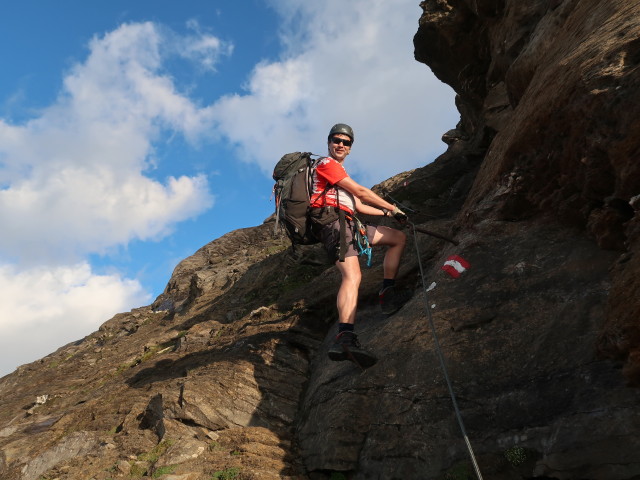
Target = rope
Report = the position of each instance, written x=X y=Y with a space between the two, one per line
x=441 y=358
x=361 y=241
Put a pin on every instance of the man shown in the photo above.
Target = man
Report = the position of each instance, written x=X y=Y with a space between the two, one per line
x=334 y=190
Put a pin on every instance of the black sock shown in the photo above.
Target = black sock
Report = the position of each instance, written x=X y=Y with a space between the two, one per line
x=345 y=327
x=388 y=282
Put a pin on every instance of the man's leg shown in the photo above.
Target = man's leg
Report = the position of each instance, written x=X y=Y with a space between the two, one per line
x=395 y=240
x=346 y=345
x=348 y=293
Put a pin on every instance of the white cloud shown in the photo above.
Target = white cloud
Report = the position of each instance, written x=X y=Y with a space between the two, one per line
x=346 y=62
x=201 y=47
x=44 y=308
x=82 y=210
x=75 y=179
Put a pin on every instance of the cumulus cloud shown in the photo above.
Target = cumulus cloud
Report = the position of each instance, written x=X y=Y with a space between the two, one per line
x=202 y=47
x=77 y=179
x=84 y=210
x=42 y=308
x=346 y=62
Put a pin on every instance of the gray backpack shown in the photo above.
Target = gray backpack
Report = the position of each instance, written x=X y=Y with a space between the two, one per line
x=294 y=175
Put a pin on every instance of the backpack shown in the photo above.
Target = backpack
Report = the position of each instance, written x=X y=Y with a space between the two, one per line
x=294 y=175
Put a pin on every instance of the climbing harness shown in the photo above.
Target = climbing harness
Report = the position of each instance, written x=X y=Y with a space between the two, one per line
x=441 y=356
x=361 y=241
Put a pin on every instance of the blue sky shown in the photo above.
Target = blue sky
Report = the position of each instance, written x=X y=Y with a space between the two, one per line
x=134 y=132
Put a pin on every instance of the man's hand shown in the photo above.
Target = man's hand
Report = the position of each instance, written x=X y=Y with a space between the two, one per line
x=399 y=215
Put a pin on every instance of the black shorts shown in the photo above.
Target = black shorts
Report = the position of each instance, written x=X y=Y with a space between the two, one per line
x=330 y=238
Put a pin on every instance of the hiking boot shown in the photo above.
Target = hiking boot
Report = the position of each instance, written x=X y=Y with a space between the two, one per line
x=347 y=347
x=392 y=300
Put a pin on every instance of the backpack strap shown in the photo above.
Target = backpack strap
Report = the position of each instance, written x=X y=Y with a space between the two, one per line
x=343 y=234
x=312 y=172
x=342 y=220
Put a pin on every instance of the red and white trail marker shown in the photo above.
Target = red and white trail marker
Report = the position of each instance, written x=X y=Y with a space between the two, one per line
x=455 y=265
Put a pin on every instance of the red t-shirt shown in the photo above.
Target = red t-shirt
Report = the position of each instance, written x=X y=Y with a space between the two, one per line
x=329 y=172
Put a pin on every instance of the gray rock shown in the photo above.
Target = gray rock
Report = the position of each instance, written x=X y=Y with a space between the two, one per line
x=77 y=444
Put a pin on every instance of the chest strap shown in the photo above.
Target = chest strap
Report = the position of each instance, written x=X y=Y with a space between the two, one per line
x=343 y=234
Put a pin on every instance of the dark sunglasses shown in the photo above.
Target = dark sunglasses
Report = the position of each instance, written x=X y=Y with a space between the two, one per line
x=338 y=141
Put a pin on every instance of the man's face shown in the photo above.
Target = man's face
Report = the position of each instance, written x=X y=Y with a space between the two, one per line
x=337 y=146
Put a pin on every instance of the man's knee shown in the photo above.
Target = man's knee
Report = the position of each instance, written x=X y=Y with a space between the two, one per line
x=350 y=270
x=352 y=277
x=401 y=238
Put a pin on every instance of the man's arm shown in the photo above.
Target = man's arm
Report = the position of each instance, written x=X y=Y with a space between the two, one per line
x=367 y=195
x=366 y=209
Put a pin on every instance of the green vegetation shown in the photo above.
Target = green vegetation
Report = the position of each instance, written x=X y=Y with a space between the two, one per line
x=227 y=474
x=516 y=455
x=126 y=366
x=338 y=476
x=154 y=350
x=273 y=249
x=150 y=353
x=459 y=471
x=300 y=275
x=293 y=279
x=56 y=363
x=158 y=472
x=137 y=470
x=142 y=465
x=219 y=332
x=156 y=452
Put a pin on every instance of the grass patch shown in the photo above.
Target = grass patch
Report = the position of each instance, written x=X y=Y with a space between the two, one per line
x=227 y=474
x=158 y=472
x=150 y=353
x=273 y=249
x=516 y=455
x=157 y=451
x=156 y=349
x=460 y=471
x=138 y=471
x=218 y=333
x=126 y=366
x=300 y=275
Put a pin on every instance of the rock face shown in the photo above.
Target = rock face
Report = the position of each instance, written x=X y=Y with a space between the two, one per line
x=549 y=85
x=225 y=375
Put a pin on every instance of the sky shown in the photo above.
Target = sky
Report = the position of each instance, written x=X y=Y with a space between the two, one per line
x=132 y=133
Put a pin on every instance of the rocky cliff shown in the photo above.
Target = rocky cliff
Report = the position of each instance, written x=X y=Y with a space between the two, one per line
x=225 y=375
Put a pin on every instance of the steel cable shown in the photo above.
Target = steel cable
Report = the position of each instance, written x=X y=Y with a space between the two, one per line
x=441 y=359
